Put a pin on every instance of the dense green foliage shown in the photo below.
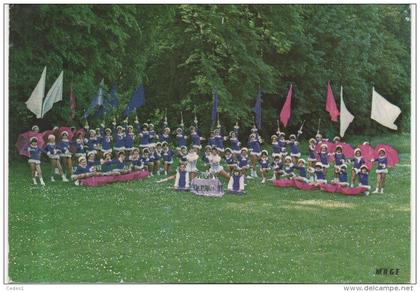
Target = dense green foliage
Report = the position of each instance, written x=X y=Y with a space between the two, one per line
x=182 y=52
x=145 y=232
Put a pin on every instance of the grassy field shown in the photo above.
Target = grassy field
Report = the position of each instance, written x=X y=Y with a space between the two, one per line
x=145 y=232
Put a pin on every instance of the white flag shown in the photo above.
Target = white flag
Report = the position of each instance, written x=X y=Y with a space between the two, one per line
x=345 y=116
x=54 y=94
x=384 y=112
x=34 y=103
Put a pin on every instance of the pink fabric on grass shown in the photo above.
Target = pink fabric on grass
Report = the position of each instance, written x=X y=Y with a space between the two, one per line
x=23 y=140
x=284 y=183
x=330 y=188
x=351 y=191
x=304 y=186
x=96 y=181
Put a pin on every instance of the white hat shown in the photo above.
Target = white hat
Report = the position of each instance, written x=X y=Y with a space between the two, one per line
x=50 y=136
x=64 y=132
x=33 y=138
x=228 y=149
x=264 y=152
x=81 y=158
x=92 y=131
x=244 y=149
x=90 y=153
x=108 y=130
x=35 y=127
x=318 y=164
x=357 y=149
x=312 y=140
x=364 y=166
x=274 y=137
x=292 y=136
x=301 y=160
x=288 y=157
x=381 y=149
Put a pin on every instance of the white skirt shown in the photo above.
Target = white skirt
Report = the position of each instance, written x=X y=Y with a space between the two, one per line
x=236 y=151
x=385 y=170
x=80 y=155
x=216 y=169
x=276 y=155
x=197 y=146
x=256 y=153
x=66 y=155
x=312 y=159
x=191 y=168
x=34 y=161
x=119 y=148
x=54 y=156
x=295 y=155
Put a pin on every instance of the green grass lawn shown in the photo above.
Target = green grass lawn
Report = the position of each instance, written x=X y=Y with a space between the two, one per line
x=145 y=232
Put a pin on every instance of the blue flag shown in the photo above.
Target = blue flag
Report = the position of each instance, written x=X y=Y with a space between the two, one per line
x=97 y=100
x=114 y=97
x=257 y=109
x=215 y=103
x=136 y=101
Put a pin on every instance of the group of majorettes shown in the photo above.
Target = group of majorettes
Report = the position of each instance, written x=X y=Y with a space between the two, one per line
x=122 y=148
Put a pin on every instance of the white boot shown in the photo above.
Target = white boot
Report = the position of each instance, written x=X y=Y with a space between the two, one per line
x=34 y=179
x=382 y=191
x=166 y=173
x=351 y=185
x=263 y=181
x=42 y=181
x=64 y=178
x=56 y=171
x=375 y=191
x=52 y=179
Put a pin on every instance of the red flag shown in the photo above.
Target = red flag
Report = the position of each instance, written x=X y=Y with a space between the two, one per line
x=286 y=110
x=330 y=106
x=72 y=103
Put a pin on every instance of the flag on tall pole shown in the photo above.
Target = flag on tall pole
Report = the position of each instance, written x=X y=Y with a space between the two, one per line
x=345 y=116
x=114 y=97
x=34 y=102
x=55 y=94
x=384 y=112
x=330 y=105
x=286 y=110
x=136 y=101
x=72 y=102
x=257 y=108
x=98 y=100
x=215 y=105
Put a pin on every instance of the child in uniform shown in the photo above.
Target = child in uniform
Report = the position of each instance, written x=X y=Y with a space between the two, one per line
x=167 y=157
x=277 y=167
x=236 y=183
x=265 y=165
x=192 y=158
x=230 y=160
x=358 y=161
x=35 y=160
x=339 y=159
x=319 y=174
x=82 y=171
x=65 y=154
x=243 y=161
x=288 y=167
x=364 y=178
x=53 y=153
x=255 y=146
x=302 y=170
x=381 y=171
x=312 y=152
x=234 y=144
x=323 y=157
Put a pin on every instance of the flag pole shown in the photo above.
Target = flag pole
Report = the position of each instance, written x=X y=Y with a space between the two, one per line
x=319 y=121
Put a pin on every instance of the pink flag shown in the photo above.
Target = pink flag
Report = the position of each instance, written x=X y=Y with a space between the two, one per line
x=286 y=110
x=330 y=106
